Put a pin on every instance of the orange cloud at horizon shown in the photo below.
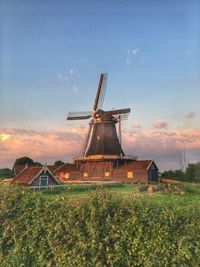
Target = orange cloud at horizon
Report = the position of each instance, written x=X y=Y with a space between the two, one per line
x=164 y=139
x=65 y=143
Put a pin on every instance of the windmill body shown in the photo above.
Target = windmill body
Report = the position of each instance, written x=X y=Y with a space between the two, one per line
x=102 y=140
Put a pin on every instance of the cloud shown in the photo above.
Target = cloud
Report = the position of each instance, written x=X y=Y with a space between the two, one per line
x=160 y=125
x=70 y=75
x=71 y=78
x=190 y=115
x=71 y=72
x=135 y=51
x=131 y=54
x=163 y=145
x=4 y=137
x=75 y=88
x=40 y=145
x=137 y=125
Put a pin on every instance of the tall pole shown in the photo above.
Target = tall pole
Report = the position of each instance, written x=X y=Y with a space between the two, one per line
x=120 y=131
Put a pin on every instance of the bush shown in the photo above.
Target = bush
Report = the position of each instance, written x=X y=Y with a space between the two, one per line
x=101 y=229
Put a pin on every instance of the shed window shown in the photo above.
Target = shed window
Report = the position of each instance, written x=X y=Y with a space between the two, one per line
x=107 y=174
x=43 y=180
x=85 y=174
x=130 y=175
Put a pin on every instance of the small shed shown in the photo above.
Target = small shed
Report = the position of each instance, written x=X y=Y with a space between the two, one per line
x=137 y=171
x=36 y=176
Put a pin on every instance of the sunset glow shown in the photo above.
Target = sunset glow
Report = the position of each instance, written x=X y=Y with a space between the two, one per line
x=4 y=137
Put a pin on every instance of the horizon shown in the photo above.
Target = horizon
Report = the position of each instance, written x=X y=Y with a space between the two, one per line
x=51 y=58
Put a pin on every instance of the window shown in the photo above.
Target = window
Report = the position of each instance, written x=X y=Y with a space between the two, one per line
x=130 y=175
x=85 y=174
x=66 y=176
x=106 y=174
x=43 y=180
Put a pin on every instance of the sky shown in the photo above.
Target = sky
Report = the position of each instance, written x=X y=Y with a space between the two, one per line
x=51 y=56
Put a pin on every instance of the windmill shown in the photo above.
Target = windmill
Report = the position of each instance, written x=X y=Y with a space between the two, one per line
x=102 y=139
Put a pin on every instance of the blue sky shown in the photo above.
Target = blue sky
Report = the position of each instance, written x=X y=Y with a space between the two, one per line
x=52 y=53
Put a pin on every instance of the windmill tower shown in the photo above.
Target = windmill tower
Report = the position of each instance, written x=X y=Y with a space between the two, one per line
x=102 y=141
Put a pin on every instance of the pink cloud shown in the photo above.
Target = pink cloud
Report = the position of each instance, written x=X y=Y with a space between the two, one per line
x=137 y=125
x=160 y=125
x=163 y=146
x=65 y=143
x=161 y=143
x=41 y=146
x=190 y=115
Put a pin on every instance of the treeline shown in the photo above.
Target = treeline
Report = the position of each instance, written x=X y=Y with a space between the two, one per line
x=5 y=172
x=192 y=174
x=101 y=229
x=9 y=173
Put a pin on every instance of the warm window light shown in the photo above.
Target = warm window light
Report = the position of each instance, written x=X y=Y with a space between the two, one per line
x=85 y=174
x=107 y=174
x=66 y=175
x=130 y=175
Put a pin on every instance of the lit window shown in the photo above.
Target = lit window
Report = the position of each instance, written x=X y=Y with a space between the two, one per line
x=85 y=174
x=130 y=175
x=66 y=176
x=107 y=174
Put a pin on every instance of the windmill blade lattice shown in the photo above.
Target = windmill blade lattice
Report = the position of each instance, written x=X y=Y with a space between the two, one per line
x=101 y=90
x=79 y=115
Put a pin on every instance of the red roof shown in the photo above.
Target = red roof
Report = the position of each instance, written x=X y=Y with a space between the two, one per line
x=68 y=167
x=137 y=165
x=18 y=168
x=27 y=175
x=52 y=168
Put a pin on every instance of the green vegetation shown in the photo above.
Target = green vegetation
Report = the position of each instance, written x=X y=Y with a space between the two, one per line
x=192 y=174
x=5 y=173
x=115 y=226
x=59 y=163
x=26 y=160
x=82 y=189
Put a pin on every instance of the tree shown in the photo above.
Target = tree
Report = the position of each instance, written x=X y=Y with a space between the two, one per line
x=193 y=172
x=59 y=163
x=174 y=175
x=5 y=173
x=24 y=161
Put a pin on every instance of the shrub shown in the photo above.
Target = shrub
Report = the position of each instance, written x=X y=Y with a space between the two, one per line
x=101 y=229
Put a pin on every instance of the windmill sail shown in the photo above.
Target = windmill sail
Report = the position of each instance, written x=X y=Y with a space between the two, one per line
x=98 y=103
x=79 y=115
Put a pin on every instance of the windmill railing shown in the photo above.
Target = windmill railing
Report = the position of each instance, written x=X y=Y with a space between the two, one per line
x=104 y=157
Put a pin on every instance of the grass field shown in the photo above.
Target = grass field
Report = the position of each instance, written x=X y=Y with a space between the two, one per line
x=191 y=196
